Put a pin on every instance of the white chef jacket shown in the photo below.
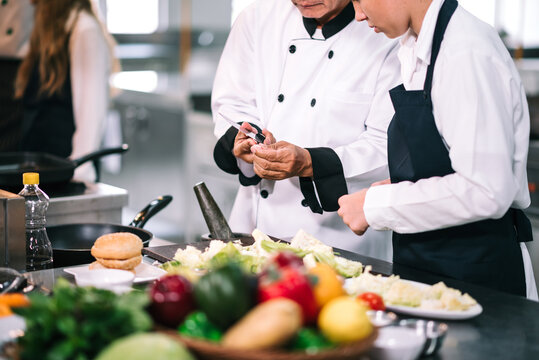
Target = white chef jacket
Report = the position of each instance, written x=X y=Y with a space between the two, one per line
x=16 y=18
x=327 y=93
x=481 y=112
x=91 y=63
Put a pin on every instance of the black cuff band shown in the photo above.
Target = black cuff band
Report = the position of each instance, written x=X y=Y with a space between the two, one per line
x=328 y=177
x=307 y=189
x=226 y=161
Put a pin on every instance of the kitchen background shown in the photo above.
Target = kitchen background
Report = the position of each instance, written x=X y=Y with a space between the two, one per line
x=169 y=51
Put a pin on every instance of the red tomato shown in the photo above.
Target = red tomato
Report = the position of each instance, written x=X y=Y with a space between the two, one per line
x=372 y=300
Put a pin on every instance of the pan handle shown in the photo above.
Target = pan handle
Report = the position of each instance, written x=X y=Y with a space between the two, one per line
x=150 y=210
x=100 y=153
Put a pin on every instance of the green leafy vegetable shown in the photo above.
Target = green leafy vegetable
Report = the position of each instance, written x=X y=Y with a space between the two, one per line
x=76 y=322
x=273 y=246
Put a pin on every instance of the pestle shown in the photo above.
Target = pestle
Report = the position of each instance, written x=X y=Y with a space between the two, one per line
x=217 y=224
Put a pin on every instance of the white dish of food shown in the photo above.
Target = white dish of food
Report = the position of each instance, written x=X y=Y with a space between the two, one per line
x=471 y=312
x=415 y=298
x=143 y=272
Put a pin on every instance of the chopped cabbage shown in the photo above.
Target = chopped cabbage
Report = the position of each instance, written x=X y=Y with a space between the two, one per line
x=190 y=257
x=253 y=257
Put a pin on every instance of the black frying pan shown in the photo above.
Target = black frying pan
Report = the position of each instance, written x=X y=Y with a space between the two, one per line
x=71 y=243
x=51 y=168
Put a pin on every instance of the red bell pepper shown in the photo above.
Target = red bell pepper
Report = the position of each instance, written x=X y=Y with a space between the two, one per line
x=287 y=258
x=289 y=282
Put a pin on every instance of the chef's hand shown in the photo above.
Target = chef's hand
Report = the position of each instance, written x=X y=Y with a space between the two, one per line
x=382 y=182
x=351 y=211
x=281 y=160
x=243 y=143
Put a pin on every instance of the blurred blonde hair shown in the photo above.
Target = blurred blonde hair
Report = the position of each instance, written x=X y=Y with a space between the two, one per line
x=49 y=44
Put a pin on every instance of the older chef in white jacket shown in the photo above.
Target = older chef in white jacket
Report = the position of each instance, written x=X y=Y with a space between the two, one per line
x=297 y=69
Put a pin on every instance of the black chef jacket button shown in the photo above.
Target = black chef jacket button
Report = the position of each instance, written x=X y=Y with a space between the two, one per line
x=304 y=203
x=313 y=102
x=264 y=193
x=330 y=55
x=280 y=98
x=9 y=31
x=292 y=49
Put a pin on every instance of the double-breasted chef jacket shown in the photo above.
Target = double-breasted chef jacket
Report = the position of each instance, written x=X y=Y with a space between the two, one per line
x=324 y=90
x=457 y=150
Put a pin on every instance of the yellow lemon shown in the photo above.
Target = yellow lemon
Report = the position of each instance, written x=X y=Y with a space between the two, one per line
x=328 y=285
x=344 y=320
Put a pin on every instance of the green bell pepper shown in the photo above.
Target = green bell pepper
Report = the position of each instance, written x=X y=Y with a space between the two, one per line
x=311 y=341
x=198 y=326
x=225 y=294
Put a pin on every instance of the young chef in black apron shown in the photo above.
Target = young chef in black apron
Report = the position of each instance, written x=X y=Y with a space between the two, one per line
x=487 y=251
x=15 y=27
x=64 y=81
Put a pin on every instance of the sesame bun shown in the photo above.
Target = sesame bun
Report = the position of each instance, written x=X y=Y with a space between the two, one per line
x=95 y=265
x=117 y=246
x=127 y=264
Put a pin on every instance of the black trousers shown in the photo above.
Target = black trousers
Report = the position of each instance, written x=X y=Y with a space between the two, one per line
x=10 y=109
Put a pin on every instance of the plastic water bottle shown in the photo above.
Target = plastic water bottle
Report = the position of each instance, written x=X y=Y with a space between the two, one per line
x=38 y=245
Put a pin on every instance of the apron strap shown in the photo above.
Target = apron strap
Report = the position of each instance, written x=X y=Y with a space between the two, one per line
x=447 y=10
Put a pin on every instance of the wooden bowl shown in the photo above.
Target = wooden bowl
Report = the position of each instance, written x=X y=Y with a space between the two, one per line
x=205 y=350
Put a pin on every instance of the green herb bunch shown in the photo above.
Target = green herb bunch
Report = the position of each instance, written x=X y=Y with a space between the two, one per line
x=77 y=322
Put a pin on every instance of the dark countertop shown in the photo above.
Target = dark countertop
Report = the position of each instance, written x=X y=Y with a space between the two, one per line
x=508 y=327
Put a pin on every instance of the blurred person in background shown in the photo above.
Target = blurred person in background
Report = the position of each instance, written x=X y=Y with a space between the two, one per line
x=64 y=81
x=294 y=67
x=15 y=27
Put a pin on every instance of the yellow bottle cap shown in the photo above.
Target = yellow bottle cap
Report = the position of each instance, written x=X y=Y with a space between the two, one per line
x=30 y=178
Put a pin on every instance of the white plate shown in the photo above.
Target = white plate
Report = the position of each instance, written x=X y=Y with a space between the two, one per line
x=11 y=327
x=143 y=272
x=434 y=314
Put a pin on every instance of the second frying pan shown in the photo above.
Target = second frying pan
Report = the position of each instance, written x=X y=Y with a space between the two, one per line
x=51 y=168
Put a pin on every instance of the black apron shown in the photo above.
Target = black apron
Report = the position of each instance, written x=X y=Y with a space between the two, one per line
x=484 y=252
x=48 y=121
x=10 y=108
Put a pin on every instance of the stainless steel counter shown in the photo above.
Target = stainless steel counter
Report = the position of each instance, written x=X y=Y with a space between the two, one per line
x=99 y=202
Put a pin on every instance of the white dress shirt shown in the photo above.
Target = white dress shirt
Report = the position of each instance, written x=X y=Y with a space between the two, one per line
x=350 y=115
x=481 y=112
x=90 y=62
